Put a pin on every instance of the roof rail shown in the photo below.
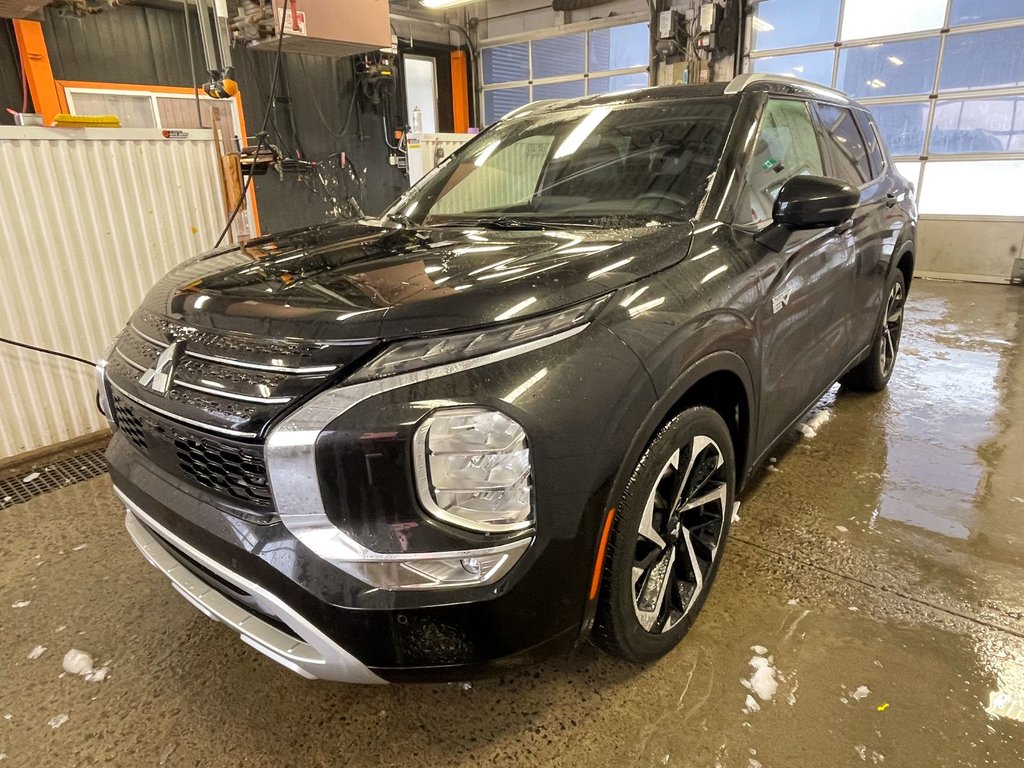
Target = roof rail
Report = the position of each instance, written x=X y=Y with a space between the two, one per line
x=748 y=81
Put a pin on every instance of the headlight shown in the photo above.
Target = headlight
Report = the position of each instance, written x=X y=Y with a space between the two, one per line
x=473 y=470
x=423 y=353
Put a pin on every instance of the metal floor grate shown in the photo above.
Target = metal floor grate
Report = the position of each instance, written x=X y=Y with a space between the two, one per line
x=52 y=477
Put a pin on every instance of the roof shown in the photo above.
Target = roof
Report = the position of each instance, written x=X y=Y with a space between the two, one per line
x=747 y=83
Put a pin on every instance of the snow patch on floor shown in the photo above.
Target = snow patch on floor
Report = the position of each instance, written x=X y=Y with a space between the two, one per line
x=842 y=529
x=751 y=705
x=21 y=604
x=861 y=693
x=80 y=663
x=814 y=423
x=735 y=512
x=763 y=682
x=57 y=721
x=30 y=477
x=36 y=652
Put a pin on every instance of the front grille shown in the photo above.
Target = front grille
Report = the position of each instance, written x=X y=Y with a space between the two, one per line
x=226 y=389
x=130 y=424
x=239 y=472
x=229 y=469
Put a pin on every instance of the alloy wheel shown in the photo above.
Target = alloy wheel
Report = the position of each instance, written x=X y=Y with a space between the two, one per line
x=893 y=327
x=680 y=534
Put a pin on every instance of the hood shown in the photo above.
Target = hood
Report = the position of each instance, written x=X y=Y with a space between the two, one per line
x=359 y=281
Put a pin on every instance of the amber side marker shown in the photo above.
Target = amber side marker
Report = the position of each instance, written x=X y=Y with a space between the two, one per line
x=595 y=582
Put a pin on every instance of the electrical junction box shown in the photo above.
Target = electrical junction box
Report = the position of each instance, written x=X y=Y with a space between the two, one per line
x=668 y=25
x=708 y=18
x=324 y=27
x=427 y=150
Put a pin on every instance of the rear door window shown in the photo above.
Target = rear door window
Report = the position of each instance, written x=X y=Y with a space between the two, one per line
x=786 y=146
x=846 y=148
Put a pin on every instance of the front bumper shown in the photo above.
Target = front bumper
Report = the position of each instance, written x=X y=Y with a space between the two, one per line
x=330 y=620
x=305 y=650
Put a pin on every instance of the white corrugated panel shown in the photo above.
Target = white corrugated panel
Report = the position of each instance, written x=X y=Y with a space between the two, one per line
x=89 y=220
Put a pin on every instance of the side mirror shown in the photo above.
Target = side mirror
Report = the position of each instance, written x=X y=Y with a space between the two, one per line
x=814 y=202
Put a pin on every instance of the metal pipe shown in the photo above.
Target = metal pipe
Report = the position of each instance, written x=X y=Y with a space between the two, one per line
x=192 y=63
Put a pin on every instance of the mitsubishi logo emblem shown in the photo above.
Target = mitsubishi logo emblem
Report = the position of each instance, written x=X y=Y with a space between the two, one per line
x=160 y=377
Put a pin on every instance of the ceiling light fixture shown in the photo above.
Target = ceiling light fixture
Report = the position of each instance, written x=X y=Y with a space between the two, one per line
x=444 y=3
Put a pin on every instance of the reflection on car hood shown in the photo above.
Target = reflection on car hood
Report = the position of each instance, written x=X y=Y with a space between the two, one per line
x=356 y=280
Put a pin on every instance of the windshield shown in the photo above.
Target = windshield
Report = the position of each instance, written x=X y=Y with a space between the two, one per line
x=593 y=164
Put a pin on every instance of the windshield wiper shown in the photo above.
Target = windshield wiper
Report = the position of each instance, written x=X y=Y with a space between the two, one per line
x=400 y=218
x=508 y=222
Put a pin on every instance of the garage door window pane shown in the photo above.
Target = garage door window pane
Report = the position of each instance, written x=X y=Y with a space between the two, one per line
x=619 y=47
x=911 y=172
x=976 y=188
x=132 y=111
x=983 y=60
x=978 y=125
x=567 y=90
x=556 y=56
x=506 y=63
x=774 y=27
x=891 y=69
x=816 y=67
x=902 y=127
x=979 y=11
x=617 y=83
x=501 y=101
x=875 y=18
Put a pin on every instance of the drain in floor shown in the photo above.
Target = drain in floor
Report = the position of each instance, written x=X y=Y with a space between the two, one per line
x=53 y=477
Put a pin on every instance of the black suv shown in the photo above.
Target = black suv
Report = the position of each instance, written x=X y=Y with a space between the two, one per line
x=515 y=411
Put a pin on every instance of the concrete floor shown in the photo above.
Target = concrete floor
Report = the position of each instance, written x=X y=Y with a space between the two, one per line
x=885 y=552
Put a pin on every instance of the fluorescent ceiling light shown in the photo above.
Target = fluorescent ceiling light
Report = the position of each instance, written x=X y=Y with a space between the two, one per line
x=761 y=25
x=896 y=60
x=580 y=133
x=487 y=152
x=444 y=3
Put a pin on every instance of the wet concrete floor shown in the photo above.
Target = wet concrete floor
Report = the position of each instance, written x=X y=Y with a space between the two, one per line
x=880 y=566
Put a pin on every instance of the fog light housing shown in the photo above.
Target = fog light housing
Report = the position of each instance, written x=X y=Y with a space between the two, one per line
x=473 y=470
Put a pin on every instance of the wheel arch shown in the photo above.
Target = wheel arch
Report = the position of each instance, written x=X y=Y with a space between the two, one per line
x=721 y=381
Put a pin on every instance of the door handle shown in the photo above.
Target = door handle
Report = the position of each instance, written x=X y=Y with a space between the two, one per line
x=891 y=198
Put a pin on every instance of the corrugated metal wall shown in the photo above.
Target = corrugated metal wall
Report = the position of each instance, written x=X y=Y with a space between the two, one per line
x=149 y=46
x=89 y=220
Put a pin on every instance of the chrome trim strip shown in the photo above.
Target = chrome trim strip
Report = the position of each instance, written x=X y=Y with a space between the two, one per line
x=182 y=419
x=226 y=394
x=740 y=83
x=314 y=656
x=233 y=363
x=291 y=466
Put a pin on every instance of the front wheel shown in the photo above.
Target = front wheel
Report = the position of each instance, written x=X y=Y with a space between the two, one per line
x=670 y=526
x=873 y=374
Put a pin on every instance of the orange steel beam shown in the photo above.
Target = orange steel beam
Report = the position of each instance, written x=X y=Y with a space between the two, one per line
x=460 y=93
x=35 y=62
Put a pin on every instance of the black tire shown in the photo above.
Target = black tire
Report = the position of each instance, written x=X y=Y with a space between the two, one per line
x=629 y=623
x=874 y=372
